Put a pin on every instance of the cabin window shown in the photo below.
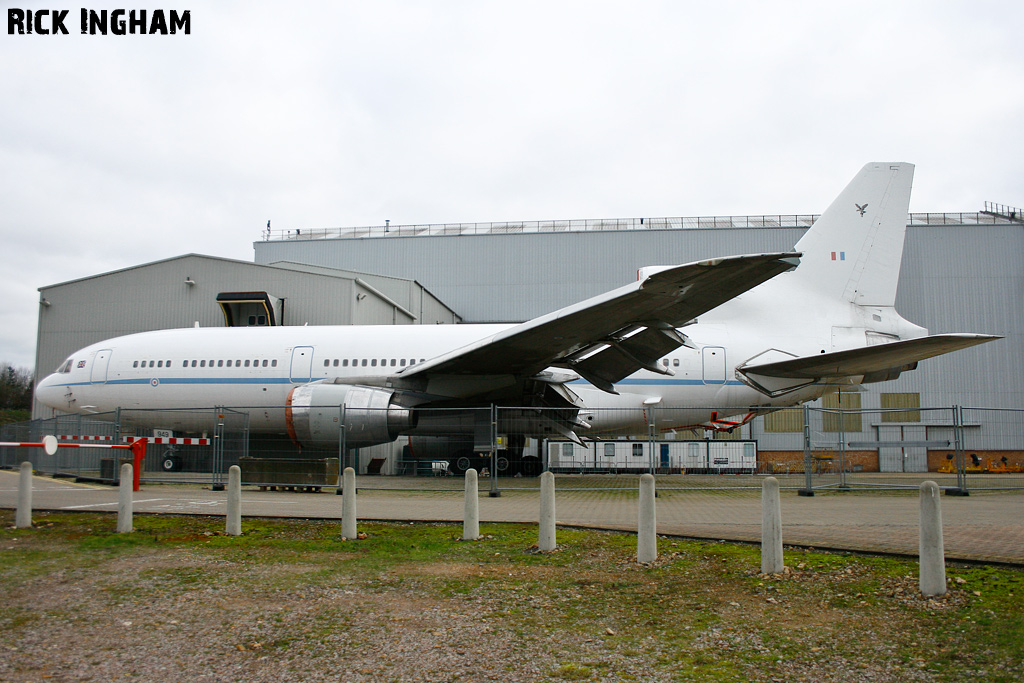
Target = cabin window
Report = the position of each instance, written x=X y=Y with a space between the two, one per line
x=402 y=361
x=193 y=363
x=344 y=362
x=247 y=363
x=159 y=363
x=134 y=365
x=664 y=361
x=152 y=363
x=675 y=362
x=364 y=362
x=238 y=363
x=220 y=364
x=327 y=363
x=273 y=363
x=337 y=362
x=393 y=362
x=167 y=363
x=373 y=363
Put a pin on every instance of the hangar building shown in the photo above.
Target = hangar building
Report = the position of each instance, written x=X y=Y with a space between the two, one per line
x=961 y=272
x=214 y=292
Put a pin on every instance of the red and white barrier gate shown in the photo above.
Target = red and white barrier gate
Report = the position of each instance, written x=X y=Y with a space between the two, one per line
x=50 y=445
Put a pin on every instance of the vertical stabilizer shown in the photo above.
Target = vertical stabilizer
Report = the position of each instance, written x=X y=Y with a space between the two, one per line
x=853 y=251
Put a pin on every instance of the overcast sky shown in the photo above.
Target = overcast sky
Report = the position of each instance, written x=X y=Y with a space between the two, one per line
x=121 y=150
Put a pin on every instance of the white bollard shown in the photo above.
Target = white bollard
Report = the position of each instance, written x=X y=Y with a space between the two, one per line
x=771 y=528
x=471 y=508
x=546 y=534
x=349 y=524
x=124 y=500
x=932 y=575
x=234 y=517
x=647 y=524
x=23 y=517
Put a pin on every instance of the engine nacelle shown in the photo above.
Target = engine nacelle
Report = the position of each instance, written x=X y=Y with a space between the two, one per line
x=314 y=415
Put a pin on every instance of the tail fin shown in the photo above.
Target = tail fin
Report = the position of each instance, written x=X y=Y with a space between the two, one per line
x=853 y=251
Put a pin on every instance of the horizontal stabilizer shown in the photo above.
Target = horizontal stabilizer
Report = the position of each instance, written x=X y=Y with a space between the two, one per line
x=867 y=360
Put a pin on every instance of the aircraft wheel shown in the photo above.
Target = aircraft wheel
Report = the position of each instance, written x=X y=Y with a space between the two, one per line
x=462 y=463
x=170 y=464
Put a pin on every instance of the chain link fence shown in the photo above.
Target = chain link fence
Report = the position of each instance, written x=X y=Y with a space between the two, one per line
x=809 y=448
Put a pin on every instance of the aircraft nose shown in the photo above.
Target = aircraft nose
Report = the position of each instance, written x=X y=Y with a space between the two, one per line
x=50 y=393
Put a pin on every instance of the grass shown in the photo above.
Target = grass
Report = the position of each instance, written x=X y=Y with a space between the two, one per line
x=587 y=611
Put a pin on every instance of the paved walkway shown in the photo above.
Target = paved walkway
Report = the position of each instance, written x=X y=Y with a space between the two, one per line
x=987 y=527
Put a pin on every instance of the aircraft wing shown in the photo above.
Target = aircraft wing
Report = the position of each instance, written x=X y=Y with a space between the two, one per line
x=876 y=363
x=610 y=336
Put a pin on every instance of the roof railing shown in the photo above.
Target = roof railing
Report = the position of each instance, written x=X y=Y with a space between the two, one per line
x=990 y=217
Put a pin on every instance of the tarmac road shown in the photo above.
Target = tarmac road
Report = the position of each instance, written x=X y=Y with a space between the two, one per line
x=982 y=527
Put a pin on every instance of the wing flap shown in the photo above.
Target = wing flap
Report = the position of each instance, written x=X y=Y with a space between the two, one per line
x=868 y=359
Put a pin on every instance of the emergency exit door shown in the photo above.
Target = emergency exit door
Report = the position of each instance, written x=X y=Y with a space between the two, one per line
x=714 y=364
x=302 y=364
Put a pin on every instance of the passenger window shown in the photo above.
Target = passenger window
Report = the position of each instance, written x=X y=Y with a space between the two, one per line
x=373 y=362
x=392 y=362
x=135 y=365
x=664 y=361
x=273 y=363
x=403 y=362
x=220 y=364
x=675 y=362
x=344 y=362
x=246 y=362
x=152 y=363
x=336 y=362
x=202 y=363
x=364 y=362
x=159 y=363
x=238 y=363
x=193 y=363
x=327 y=363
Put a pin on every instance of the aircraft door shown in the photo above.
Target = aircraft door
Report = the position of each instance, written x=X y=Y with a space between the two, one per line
x=714 y=364
x=302 y=365
x=100 y=364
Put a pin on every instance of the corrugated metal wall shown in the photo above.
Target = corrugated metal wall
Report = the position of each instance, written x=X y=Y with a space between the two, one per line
x=955 y=278
x=510 y=278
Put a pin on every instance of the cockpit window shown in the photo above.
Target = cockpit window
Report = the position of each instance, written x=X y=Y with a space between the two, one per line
x=66 y=367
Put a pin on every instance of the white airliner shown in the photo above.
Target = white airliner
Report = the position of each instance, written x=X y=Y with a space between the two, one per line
x=722 y=340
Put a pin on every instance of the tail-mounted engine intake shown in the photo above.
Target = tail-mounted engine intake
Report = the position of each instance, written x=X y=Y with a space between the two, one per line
x=314 y=415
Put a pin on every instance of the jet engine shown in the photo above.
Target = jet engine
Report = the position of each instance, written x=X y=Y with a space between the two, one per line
x=316 y=412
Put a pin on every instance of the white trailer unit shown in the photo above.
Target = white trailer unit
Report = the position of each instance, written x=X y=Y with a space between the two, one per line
x=715 y=457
